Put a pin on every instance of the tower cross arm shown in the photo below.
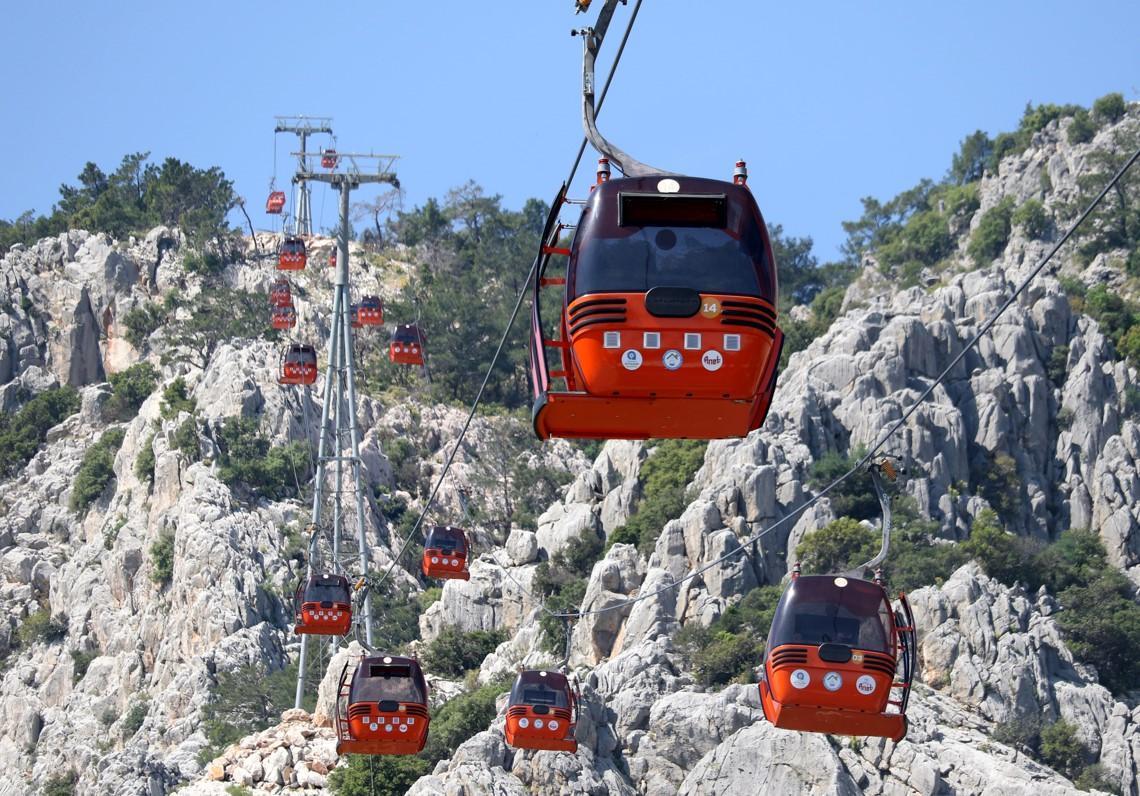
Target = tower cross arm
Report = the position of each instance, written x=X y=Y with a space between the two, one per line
x=303 y=124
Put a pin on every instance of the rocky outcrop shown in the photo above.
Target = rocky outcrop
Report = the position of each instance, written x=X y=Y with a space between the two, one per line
x=294 y=756
x=153 y=643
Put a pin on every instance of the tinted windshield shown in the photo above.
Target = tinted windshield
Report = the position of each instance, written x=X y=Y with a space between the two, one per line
x=711 y=244
x=815 y=611
x=406 y=334
x=445 y=539
x=326 y=590
x=380 y=681
x=531 y=689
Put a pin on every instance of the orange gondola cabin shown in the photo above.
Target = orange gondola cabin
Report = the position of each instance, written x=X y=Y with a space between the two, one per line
x=542 y=713
x=668 y=323
x=407 y=345
x=323 y=606
x=370 y=311
x=329 y=159
x=281 y=293
x=275 y=203
x=382 y=707
x=445 y=553
x=840 y=659
x=283 y=318
x=291 y=255
x=298 y=365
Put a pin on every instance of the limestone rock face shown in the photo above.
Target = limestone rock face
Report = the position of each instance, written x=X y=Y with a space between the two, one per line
x=116 y=623
x=494 y=597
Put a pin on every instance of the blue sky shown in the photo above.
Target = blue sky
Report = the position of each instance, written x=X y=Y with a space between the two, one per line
x=828 y=102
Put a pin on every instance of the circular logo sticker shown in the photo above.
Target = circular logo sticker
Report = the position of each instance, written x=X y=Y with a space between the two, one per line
x=832 y=681
x=800 y=678
x=712 y=360
x=631 y=359
x=710 y=307
x=865 y=685
x=672 y=359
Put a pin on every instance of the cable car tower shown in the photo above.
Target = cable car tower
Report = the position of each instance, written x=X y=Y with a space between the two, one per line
x=303 y=127
x=339 y=444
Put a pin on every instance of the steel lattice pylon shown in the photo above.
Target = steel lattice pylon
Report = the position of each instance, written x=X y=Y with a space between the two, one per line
x=303 y=127
x=339 y=433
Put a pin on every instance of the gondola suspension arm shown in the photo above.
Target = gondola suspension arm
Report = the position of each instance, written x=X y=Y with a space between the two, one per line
x=591 y=43
x=881 y=468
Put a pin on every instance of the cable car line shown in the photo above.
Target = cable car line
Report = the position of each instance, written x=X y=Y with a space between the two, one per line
x=506 y=333
x=361 y=717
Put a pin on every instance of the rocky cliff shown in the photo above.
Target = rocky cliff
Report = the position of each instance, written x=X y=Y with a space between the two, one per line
x=131 y=721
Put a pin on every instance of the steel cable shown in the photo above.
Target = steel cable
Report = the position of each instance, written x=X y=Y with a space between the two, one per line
x=506 y=332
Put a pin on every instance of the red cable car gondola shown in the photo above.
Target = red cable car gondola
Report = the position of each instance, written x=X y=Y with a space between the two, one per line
x=283 y=318
x=332 y=258
x=445 y=553
x=281 y=293
x=275 y=203
x=323 y=606
x=668 y=324
x=354 y=314
x=407 y=345
x=291 y=254
x=370 y=311
x=382 y=709
x=542 y=713
x=298 y=365
x=329 y=159
x=836 y=656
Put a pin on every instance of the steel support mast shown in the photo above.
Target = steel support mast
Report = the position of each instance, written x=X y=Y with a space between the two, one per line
x=303 y=127
x=339 y=429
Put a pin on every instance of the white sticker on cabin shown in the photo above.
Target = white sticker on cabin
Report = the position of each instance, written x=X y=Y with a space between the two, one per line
x=833 y=681
x=612 y=340
x=800 y=678
x=631 y=359
x=865 y=685
x=692 y=341
x=668 y=185
x=672 y=359
x=732 y=342
x=712 y=360
x=651 y=340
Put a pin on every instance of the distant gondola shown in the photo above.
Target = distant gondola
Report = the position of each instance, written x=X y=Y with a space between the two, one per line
x=542 y=713
x=291 y=255
x=445 y=553
x=298 y=365
x=322 y=606
x=407 y=345
x=283 y=318
x=275 y=203
x=370 y=311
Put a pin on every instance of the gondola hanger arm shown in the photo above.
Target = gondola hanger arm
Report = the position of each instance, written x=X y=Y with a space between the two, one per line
x=591 y=43
x=882 y=468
